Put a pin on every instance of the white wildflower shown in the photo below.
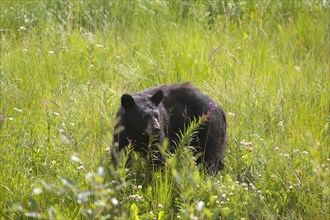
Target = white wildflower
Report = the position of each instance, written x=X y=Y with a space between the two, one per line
x=297 y=68
x=305 y=152
x=114 y=201
x=81 y=167
x=200 y=206
x=37 y=191
x=76 y=159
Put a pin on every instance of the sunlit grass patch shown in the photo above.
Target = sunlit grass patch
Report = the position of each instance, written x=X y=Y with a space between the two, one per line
x=65 y=64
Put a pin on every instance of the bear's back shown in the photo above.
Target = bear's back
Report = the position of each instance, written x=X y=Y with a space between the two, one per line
x=180 y=96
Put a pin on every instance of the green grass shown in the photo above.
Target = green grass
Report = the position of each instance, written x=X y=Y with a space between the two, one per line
x=65 y=64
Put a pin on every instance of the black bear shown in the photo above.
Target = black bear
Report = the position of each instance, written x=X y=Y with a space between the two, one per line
x=162 y=112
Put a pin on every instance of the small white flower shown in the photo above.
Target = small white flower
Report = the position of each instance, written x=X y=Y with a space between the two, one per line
x=305 y=152
x=81 y=167
x=139 y=187
x=56 y=113
x=37 y=191
x=114 y=201
x=246 y=144
x=100 y=171
x=297 y=68
x=286 y=155
x=24 y=50
x=223 y=196
x=200 y=206
x=51 y=52
x=22 y=28
x=76 y=159
x=99 y=45
x=160 y=206
x=53 y=162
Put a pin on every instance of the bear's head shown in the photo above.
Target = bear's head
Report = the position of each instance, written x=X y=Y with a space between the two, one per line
x=140 y=114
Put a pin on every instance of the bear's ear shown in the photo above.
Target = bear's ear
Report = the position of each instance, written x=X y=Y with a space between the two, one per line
x=157 y=97
x=127 y=101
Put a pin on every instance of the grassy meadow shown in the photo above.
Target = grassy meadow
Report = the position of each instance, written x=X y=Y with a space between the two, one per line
x=64 y=65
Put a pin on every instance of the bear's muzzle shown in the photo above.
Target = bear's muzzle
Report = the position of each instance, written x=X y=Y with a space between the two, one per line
x=153 y=128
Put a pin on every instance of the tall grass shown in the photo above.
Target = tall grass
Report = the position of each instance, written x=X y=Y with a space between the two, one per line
x=65 y=64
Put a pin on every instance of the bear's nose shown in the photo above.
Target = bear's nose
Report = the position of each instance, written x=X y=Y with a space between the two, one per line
x=153 y=127
x=155 y=131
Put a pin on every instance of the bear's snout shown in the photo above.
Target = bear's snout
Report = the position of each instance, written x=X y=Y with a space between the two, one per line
x=153 y=127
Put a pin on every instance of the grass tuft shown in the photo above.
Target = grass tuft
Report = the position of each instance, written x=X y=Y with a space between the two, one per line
x=64 y=65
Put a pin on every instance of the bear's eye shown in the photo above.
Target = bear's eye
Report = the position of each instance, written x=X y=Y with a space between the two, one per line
x=155 y=114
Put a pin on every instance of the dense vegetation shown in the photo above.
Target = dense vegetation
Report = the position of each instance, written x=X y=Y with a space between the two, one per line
x=65 y=64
